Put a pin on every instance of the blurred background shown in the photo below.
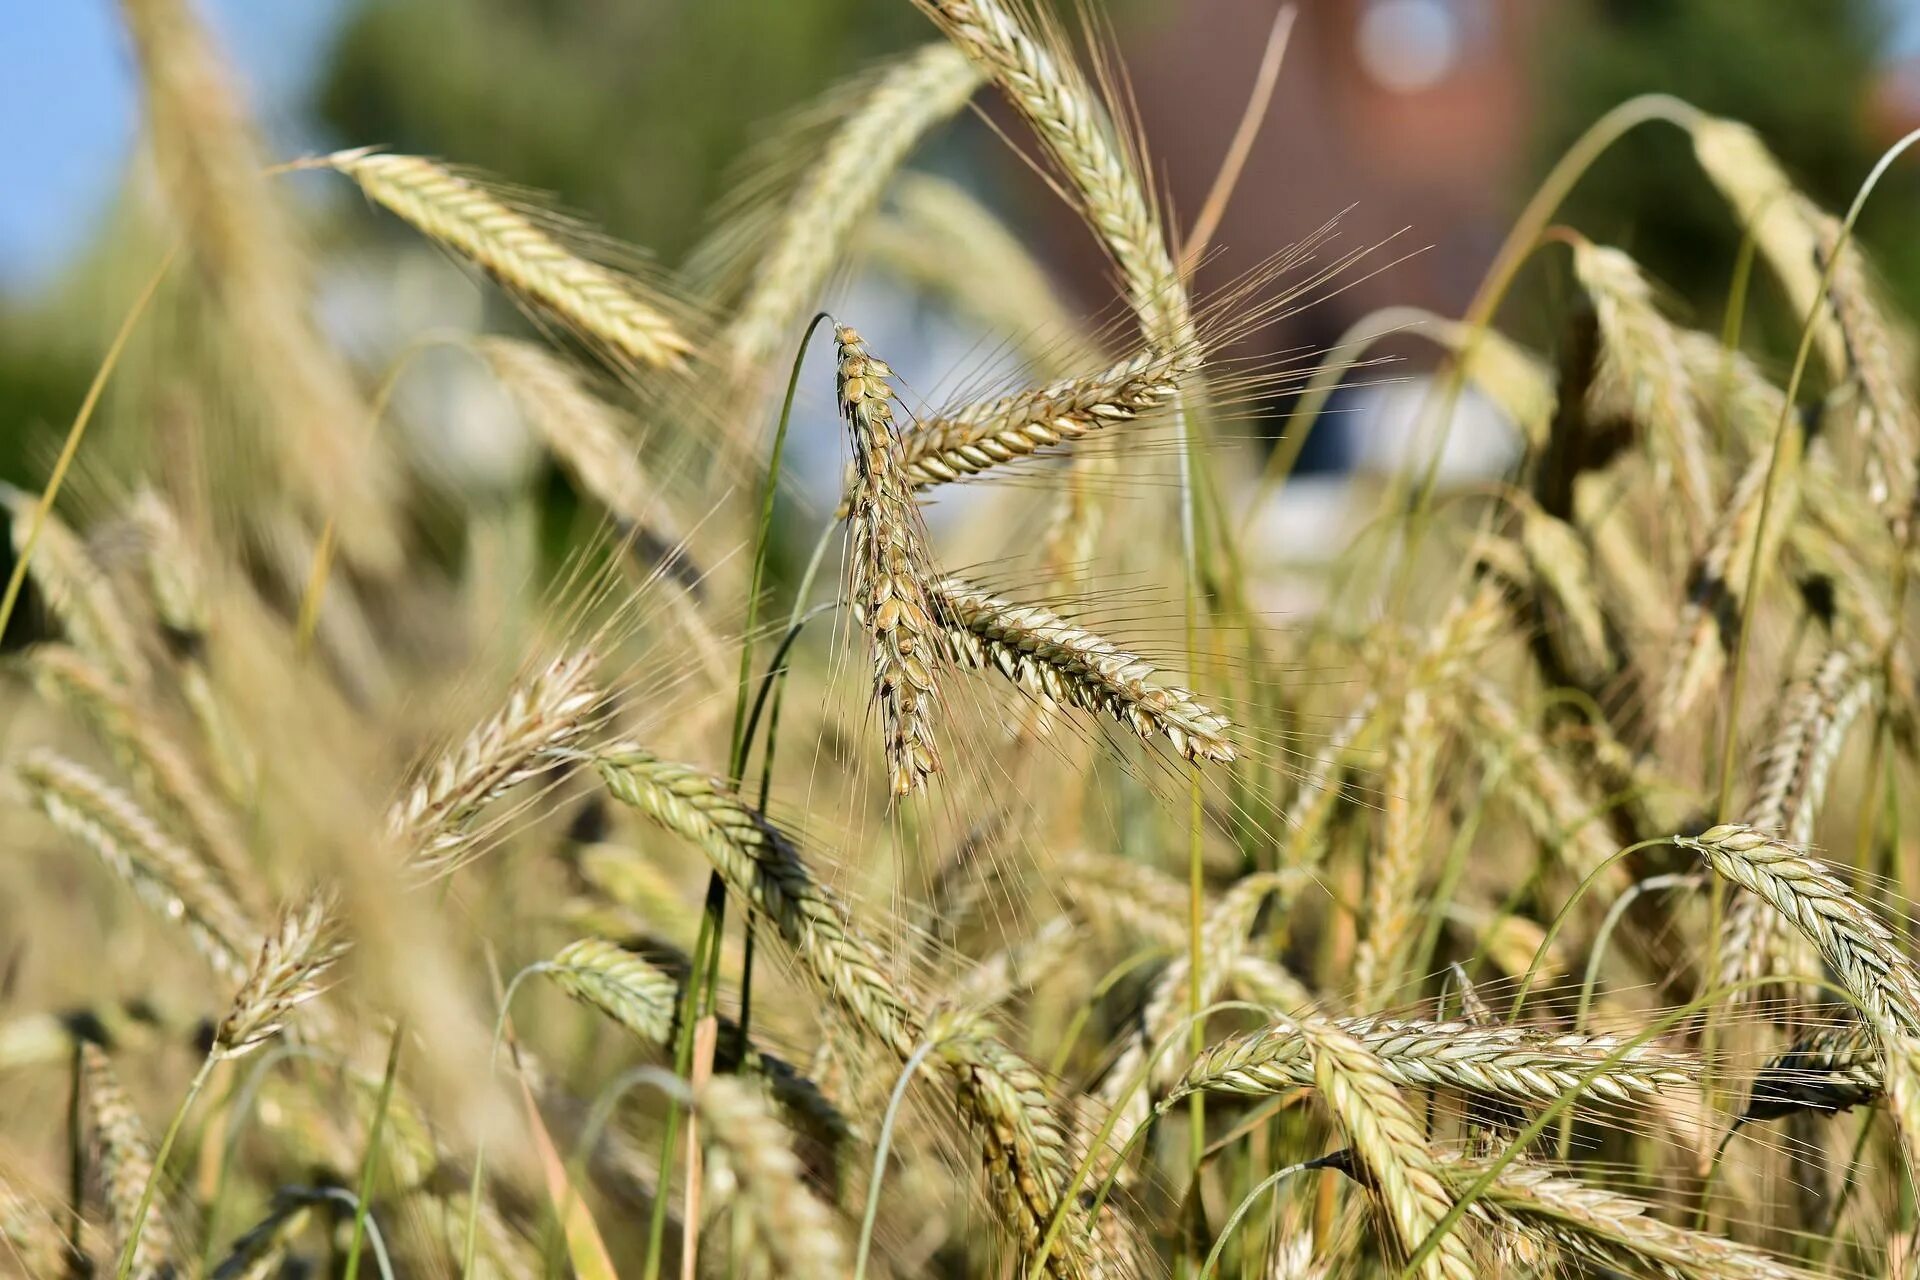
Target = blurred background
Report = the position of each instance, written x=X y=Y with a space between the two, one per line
x=1424 y=120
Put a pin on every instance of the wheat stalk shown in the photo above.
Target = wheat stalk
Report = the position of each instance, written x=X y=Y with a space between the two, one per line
x=1064 y=664
x=124 y=1154
x=466 y=217
x=891 y=569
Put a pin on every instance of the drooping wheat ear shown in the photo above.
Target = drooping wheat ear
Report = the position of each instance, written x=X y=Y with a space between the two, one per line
x=1643 y=377
x=285 y=975
x=608 y=977
x=1882 y=362
x=753 y=1169
x=1064 y=664
x=891 y=569
x=465 y=216
x=1389 y=1144
x=1816 y=714
x=1016 y=967
x=1226 y=931
x=1050 y=91
x=76 y=592
x=148 y=751
x=1606 y=1229
x=1520 y=1063
x=546 y=711
x=165 y=875
x=906 y=100
x=582 y=432
x=124 y=1155
x=310 y=420
x=1710 y=616
x=1004 y=1100
x=1513 y=377
x=994 y=432
x=1292 y=1257
x=1853 y=942
x=1393 y=874
x=1783 y=222
x=1269 y=983
x=1564 y=814
x=1832 y=1069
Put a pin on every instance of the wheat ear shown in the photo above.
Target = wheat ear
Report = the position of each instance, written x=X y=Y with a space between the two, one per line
x=1388 y=1142
x=466 y=217
x=1642 y=375
x=148 y=751
x=1062 y=108
x=1005 y=1100
x=1519 y=1063
x=906 y=99
x=1859 y=948
x=285 y=975
x=1832 y=1069
x=1393 y=874
x=891 y=569
x=1815 y=717
x=124 y=1153
x=76 y=592
x=754 y=1166
x=1881 y=361
x=995 y=432
x=166 y=876
x=546 y=711
x=1064 y=664
x=1609 y=1230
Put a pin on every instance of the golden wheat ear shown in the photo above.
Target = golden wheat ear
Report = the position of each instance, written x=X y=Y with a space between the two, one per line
x=465 y=216
x=891 y=569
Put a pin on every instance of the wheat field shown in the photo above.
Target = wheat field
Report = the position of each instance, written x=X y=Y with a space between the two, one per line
x=1017 y=867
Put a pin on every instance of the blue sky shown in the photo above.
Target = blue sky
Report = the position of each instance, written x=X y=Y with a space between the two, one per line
x=67 y=108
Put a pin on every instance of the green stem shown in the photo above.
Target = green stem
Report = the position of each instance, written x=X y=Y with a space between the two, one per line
x=370 y=1167
x=147 y=1192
